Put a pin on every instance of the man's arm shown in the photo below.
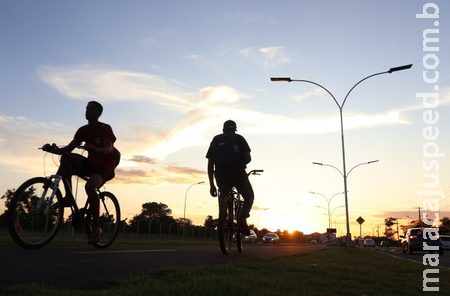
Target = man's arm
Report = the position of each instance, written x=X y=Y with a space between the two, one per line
x=63 y=150
x=212 y=187
x=105 y=149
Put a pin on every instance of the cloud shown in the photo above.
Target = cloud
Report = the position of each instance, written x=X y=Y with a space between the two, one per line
x=315 y=92
x=142 y=159
x=159 y=175
x=85 y=82
x=204 y=110
x=269 y=57
x=21 y=138
x=185 y=170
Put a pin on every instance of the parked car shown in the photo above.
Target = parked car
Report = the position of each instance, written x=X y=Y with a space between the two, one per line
x=445 y=239
x=413 y=241
x=368 y=242
x=385 y=243
x=271 y=238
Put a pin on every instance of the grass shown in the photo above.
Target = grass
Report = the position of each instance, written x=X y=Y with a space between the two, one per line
x=332 y=271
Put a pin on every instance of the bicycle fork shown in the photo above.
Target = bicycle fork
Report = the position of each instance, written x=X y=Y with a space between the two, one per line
x=47 y=202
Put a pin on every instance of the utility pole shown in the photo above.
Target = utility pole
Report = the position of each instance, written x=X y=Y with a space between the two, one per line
x=420 y=217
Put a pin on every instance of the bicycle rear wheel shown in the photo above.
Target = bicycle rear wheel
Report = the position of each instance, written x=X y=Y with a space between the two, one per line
x=225 y=227
x=239 y=236
x=35 y=213
x=109 y=219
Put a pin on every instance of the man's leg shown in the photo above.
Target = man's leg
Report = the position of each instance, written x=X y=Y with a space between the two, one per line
x=246 y=190
x=71 y=163
x=94 y=205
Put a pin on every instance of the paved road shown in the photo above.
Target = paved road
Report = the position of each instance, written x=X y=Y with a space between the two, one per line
x=444 y=260
x=85 y=267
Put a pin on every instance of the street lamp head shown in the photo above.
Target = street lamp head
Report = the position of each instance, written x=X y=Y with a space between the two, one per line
x=318 y=163
x=372 y=161
x=287 y=79
x=400 y=68
x=201 y=182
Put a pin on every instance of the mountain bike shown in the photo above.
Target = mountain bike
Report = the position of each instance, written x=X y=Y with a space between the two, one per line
x=230 y=206
x=36 y=212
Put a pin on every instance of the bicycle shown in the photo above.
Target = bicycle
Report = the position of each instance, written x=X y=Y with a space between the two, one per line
x=36 y=212
x=230 y=206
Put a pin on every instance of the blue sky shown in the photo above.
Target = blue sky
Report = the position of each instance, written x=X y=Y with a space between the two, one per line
x=169 y=73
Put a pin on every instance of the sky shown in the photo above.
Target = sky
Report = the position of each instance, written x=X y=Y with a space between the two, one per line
x=169 y=73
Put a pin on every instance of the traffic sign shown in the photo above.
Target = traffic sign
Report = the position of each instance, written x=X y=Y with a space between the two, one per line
x=360 y=220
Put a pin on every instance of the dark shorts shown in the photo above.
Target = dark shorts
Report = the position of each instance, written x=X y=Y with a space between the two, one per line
x=227 y=179
x=87 y=170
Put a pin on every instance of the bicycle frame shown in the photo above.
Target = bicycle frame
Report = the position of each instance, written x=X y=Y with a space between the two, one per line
x=68 y=200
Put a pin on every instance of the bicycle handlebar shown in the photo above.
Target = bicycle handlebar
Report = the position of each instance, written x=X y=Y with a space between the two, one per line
x=255 y=172
x=53 y=148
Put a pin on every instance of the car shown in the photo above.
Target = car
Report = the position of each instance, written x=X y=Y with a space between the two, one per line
x=385 y=243
x=413 y=240
x=251 y=238
x=368 y=242
x=271 y=238
x=445 y=239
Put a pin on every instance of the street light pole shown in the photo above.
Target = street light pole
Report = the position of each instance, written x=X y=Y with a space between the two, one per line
x=341 y=106
x=185 y=198
x=345 y=176
x=328 y=200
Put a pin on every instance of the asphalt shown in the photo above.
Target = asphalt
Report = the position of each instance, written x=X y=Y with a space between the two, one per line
x=86 y=267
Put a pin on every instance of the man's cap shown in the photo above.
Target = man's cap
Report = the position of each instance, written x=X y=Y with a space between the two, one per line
x=229 y=125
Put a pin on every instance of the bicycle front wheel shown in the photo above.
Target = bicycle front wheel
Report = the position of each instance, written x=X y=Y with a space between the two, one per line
x=225 y=227
x=239 y=236
x=109 y=219
x=35 y=213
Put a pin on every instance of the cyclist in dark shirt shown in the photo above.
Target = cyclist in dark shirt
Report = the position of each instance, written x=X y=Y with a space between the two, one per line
x=228 y=156
x=98 y=166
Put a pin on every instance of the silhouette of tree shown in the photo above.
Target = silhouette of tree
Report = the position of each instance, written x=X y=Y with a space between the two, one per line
x=7 y=197
x=152 y=213
x=210 y=222
x=389 y=232
x=444 y=227
x=184 y=221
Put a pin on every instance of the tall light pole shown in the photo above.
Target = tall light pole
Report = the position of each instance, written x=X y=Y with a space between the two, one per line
x=185 y=197
x=184 y=212
x=341 y=107
x=328 y=200
x=345 y=176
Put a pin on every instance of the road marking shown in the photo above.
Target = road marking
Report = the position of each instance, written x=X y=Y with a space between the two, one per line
x=128 y=251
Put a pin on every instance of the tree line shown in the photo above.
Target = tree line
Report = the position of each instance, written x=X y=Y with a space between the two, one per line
x=156 y=218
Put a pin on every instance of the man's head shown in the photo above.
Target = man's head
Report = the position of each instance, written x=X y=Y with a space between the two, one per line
x=229 y=126
x=93 y=110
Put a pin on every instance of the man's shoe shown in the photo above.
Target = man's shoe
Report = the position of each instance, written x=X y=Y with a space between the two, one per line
x=94 y=236
x=243 y=227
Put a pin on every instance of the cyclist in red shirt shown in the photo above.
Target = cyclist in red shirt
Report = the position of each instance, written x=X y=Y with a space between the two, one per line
x=98 y=166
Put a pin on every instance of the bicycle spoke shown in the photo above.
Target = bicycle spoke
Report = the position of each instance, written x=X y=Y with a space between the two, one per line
x=34 y=218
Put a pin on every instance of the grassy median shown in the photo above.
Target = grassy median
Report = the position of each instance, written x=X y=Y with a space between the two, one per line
x=332 y=271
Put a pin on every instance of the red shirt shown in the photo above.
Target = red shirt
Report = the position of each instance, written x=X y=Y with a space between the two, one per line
x=96 y=136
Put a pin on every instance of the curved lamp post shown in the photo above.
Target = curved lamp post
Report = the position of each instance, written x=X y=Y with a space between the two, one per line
x=341 y=106
x=184 y=212
x=328 y=200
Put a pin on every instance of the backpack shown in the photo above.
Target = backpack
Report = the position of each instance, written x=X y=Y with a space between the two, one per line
x=116 y=156
x=227 y=151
